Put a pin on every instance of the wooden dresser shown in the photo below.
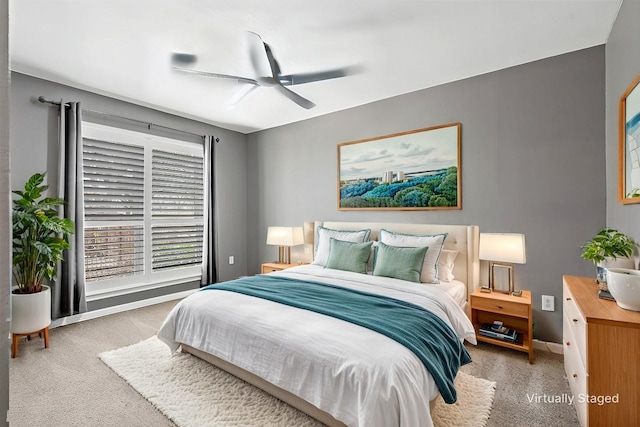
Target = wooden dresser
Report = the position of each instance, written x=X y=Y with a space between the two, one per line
x=601 y=355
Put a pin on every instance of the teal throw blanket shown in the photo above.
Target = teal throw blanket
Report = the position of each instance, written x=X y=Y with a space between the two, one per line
x=422 y=332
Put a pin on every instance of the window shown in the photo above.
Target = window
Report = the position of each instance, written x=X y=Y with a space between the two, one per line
x=144 y=217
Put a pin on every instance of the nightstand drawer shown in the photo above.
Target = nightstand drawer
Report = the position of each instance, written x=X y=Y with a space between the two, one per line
x=270 y=267
x=495 y=305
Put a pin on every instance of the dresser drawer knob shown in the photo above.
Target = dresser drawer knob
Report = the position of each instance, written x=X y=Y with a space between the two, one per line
x=500 y=307
x=575 y=375
x=568 y=343
x=568 y=299
x=575 y=320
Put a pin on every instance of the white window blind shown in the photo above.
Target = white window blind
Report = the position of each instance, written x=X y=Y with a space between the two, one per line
x=176 y=246
x=113 y=180
x=178 y=185
x=177 y=193
x=144 y=210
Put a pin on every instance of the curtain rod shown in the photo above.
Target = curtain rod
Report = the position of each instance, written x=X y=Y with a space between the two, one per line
x=44 y=100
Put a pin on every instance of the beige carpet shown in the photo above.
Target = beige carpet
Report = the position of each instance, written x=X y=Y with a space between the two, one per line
x=192 y=392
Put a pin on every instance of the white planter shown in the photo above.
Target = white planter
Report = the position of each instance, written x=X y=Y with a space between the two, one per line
x=30 y=312
x=624 y=286
x=602 y=267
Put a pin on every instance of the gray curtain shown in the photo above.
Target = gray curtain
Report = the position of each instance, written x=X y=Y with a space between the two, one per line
x=209 y=268
x=68 y=293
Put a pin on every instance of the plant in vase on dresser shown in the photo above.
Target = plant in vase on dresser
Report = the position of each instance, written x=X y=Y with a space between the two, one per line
x=607 y=249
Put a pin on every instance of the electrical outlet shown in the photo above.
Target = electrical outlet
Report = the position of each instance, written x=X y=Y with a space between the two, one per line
x=547 y=303
x=232 y=260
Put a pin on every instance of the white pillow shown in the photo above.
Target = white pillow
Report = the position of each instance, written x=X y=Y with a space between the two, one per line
x=323 y=241
x=445 y=265
x=434 y=242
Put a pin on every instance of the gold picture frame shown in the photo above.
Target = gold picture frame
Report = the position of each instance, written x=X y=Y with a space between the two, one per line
x=629 y=145
x=413 y=170
x=501 y=277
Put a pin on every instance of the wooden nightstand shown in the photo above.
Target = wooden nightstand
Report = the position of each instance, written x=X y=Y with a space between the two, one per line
x=270 y=267
x=514 y=312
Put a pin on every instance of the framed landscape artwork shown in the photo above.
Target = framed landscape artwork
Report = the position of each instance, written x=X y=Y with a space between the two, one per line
x=414 y=170
x=629 y=145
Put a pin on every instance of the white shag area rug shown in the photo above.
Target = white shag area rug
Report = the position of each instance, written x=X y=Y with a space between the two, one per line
x=194 y=393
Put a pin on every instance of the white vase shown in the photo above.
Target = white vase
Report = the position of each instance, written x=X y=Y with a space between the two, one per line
x=30 y=312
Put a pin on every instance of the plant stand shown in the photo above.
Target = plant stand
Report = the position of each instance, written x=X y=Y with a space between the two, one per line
x=15 y=337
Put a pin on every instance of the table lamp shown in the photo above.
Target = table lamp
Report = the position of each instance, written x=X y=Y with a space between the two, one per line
x=502 y=250
x=284 y=238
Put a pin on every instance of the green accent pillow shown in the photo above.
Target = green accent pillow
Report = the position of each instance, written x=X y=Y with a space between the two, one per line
x=399 y=262
x=348 y=256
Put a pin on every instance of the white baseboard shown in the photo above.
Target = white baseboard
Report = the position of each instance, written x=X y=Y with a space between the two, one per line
x=553 y=347
x=119 y=308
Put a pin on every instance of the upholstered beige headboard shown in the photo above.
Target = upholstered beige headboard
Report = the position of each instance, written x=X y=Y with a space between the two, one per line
x=462 y=238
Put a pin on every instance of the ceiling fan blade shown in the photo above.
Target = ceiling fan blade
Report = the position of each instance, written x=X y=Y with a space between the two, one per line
x=303 y=102
x=258 y=55
x=273 y=63
x=298 y=79
x=216 y=75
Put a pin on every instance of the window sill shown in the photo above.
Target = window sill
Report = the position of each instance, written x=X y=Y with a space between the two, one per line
x=130 y=289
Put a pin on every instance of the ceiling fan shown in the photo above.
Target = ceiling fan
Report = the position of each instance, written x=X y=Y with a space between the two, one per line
x=267 y=72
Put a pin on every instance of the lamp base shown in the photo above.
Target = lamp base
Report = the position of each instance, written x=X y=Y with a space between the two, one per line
x=284 y=255
x=501 y=277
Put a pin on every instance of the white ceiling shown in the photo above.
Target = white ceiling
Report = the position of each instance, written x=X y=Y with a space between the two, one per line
x=122 y=48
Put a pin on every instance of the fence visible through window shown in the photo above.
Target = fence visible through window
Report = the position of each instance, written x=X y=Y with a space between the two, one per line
x=113 y=252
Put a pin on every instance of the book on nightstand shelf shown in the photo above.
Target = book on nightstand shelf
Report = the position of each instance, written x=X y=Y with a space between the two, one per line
x=498 y=331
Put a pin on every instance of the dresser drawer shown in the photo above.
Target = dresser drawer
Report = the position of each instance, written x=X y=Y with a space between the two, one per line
x=573 y=319
x=569 y=339
x=503 y=307
x=577 y=377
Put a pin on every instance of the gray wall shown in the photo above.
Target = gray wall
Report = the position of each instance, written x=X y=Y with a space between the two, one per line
x=34 y=149
x=622 y=67
x=532 y=162
x=5 y=212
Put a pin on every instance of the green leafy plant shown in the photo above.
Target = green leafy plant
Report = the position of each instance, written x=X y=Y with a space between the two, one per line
x=39 y=236
x=634 y=193
x=608 y=243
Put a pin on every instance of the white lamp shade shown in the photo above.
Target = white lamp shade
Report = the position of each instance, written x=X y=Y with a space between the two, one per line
x=285 y=236
x=503 y=247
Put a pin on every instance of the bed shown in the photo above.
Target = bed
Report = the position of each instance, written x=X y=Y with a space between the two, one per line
x=339 y=372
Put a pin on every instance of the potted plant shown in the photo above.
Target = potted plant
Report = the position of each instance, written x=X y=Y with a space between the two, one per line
x=39 y=238
x=609 y=248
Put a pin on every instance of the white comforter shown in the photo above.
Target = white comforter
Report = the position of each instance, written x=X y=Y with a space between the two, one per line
x=359 y=376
